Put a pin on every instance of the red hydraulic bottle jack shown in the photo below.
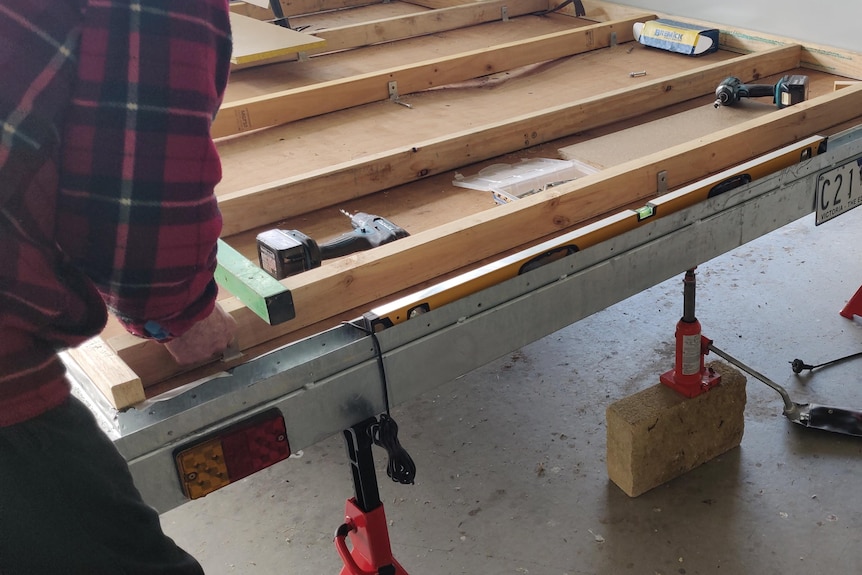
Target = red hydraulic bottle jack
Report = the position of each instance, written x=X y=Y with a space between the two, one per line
x=365 y=521
x=689 y=376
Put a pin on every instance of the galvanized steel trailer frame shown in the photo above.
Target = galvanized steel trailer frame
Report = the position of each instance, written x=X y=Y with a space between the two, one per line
x=332 y=381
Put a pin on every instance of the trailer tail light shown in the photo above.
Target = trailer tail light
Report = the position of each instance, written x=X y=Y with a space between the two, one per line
x=234 y=453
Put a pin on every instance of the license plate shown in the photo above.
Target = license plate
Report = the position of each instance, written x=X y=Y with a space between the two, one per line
x=838 y=191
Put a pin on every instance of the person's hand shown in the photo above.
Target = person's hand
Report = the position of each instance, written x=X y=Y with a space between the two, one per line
x=206 y=339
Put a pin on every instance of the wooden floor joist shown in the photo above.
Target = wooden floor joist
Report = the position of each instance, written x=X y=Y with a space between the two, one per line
x=261 y=205
x=370 y=276
x=291 y=105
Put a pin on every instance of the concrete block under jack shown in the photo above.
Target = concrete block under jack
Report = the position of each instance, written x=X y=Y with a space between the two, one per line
x=657 y=434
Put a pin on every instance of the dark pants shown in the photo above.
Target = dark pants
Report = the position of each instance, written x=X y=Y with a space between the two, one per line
x=68 y=504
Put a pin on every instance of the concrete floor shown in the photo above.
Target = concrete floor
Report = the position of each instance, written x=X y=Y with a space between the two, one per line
x=511 y=458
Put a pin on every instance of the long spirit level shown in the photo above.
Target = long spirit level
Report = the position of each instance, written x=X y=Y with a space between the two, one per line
x=496 y=272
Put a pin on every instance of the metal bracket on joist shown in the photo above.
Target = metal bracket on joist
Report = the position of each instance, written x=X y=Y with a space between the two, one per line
x=393 y=95
x=613 y=39
x=661 y=182
x=302 y=56
x=504 y=13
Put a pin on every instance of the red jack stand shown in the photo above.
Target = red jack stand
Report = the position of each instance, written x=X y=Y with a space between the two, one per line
x=854 y=306
x=690 y=377
x=365 y=520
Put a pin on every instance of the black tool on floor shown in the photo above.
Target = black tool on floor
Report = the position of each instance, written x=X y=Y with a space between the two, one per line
x=798 y=366
x=788 y=91
x=834 y=419
x=283 y=253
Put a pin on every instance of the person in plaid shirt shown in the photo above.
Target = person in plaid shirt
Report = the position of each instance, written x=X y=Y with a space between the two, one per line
x=107 y=171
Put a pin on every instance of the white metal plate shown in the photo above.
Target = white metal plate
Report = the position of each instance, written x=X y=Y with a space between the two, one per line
x=838 y=190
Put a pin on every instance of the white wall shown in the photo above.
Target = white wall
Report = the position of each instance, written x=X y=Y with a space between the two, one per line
x=835 y=23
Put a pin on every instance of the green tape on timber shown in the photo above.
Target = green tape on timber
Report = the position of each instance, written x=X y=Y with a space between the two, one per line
x=259 y=291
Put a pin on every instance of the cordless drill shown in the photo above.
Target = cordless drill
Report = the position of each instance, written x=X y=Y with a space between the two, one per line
x=788 y=91
x=285 y=253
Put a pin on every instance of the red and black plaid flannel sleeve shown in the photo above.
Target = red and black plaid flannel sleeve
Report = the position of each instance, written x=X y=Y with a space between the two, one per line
x=137 y=210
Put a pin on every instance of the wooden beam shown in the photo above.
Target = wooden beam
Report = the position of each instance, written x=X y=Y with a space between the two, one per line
x=264 y=204
x=290 y=105
x=120 y=385
x=373 y=275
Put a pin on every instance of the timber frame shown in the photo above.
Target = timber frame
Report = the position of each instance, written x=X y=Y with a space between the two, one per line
x=261 y=129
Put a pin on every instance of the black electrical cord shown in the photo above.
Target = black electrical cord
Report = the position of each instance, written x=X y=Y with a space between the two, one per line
x=579 y=8
x=400 y=467
x=799 y=366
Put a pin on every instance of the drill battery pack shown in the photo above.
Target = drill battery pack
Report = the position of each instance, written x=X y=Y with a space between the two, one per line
x=285 y=253
x=791 y=90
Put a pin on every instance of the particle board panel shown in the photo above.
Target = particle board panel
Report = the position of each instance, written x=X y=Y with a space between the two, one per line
x=254 y=40
x=637 y=141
